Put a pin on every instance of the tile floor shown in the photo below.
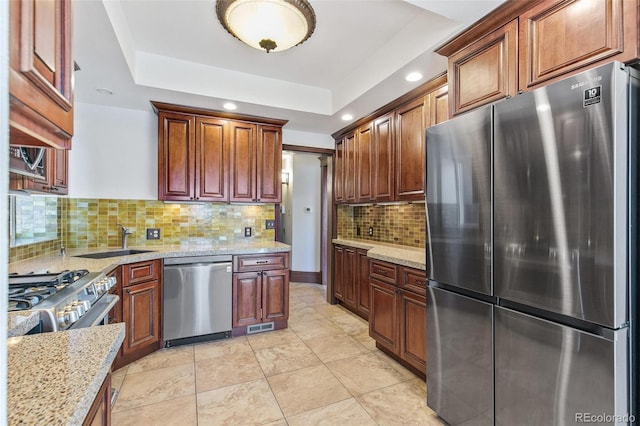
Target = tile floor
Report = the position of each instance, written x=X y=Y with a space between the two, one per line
x=324 y=369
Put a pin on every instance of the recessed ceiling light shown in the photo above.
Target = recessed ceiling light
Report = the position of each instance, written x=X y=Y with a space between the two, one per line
x=230 y=106
x=413 y=76
x=347 y=117
x=104 y=91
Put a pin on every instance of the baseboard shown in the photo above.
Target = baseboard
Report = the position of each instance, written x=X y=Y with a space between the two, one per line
x=305 y=277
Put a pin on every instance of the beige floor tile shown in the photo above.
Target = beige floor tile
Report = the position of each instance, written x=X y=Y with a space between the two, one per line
x=213 y=373
x=306 y=389
x=329 y=311
x=162 y=359
x=365 y=373
x=250 y=403
x=273 y=338
x=311 y=329
x=366 y=340
x=395 y=364
x=337 y=346
x=221 y=348
x=175 y=412
x=350 y=324
x=154 y=386
x=404 y=403
x=280 y=359
x=301 y=291
x=117 y=378
x=306 y=313
x=281 y=422
x=298 y=303
x=347 y=412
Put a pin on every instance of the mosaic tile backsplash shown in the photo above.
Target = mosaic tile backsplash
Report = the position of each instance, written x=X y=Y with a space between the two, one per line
x=403 y=224
x=93 y=223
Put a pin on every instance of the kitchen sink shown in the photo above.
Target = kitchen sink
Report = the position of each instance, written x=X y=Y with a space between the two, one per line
x=106 y=254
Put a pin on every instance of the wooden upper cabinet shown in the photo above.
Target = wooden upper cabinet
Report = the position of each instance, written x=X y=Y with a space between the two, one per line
x=41 y=73
x=486 y=70
x=176 y=157
x=349 y=166
x=382 y=180
x=364 y=171
x=438 y=102
x=269 y=164
x=558 y=37
x=338 y=175
x=211 y=151
x=410 y=151
x=211 y=156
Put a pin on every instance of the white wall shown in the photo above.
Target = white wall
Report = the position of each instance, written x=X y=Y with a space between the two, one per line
x=315 y=140
x=114 y=153
x=305 y=184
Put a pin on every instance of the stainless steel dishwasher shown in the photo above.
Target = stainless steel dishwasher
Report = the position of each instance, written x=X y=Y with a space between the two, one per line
x=196 y=299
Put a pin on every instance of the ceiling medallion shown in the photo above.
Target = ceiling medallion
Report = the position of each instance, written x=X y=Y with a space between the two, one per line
x=270 y=25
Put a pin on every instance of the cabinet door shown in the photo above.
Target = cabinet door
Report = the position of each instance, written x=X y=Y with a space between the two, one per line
x=60 y=171
x=41 y=72
x=269 y=164
x=243 y=162
x=413 y=329
x=247 y=298
x=338 y=274
x=558 y=37
x=338 y=173
x=410 y=151
x=100 y=411
x=349 y=173
x=438 y=106
x=364 y=152
x=349 y=276
x=141 y=306
x=211 y=150
x=362 y=282
x=486 y=70
x=383 y=159
x=116 y=312
x=176 y=157
x=383 y=315
x=275 y=295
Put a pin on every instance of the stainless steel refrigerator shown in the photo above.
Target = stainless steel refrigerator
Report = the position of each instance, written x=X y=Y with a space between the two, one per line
x=532 y=256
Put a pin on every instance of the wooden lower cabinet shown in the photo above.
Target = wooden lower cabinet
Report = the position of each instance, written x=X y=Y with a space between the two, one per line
x=141 y=306
x=351 y=279
x=100 y=411
x=141 y=302
x=260 y=296
x=397 y=313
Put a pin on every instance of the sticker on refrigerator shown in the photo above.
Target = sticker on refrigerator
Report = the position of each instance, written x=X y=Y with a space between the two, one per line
x=592 y=96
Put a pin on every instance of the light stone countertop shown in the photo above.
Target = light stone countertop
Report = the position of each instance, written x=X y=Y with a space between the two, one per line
x=21 y=322
x=412 y=257
x=54 y=262
x=53 y=378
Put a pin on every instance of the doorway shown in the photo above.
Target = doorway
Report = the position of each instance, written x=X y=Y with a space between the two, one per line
x=304 y=217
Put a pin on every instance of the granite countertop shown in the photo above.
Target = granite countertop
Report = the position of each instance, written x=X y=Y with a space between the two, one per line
x=412 y=257
x=53 y=378
x=21 y=322
x=54 y=262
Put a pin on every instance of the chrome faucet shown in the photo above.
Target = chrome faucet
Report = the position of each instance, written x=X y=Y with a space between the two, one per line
x=125 y=234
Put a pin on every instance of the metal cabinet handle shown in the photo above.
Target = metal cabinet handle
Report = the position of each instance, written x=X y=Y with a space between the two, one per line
x=262 y=262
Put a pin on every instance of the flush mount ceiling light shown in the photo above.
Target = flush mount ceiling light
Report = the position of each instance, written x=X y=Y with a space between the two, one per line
x=229 y=106
x=413 y=76
x=272 y=25
x=347 y=117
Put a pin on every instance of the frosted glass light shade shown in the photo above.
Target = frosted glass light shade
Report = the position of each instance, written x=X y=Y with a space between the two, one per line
x=271 y=25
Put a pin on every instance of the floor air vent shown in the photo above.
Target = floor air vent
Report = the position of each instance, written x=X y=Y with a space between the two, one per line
x=259 y=328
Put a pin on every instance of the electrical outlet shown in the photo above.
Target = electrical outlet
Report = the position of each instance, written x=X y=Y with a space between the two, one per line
x=153 y=233
x=371 y=231
x=270 y=224
x=247 y=231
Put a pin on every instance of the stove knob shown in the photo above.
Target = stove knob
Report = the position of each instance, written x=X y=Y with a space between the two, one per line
x=78 y=307
x=85 y=303
x=111 y=282
x=62 y=321
x=71 y=316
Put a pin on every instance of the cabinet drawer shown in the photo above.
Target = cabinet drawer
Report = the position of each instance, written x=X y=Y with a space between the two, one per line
x=413 y=280
x=383 y=271
x=134 y=273
x=260 y=262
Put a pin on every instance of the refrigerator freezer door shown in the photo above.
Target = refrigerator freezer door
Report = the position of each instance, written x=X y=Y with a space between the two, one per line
x=550 y=374
x=560 y=191
x=460 y=358
x=459 y=201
